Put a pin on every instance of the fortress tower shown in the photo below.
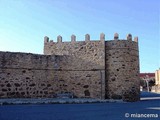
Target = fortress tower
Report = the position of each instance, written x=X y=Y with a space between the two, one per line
x=116 y=61
x=122 y=68
x=87 y=69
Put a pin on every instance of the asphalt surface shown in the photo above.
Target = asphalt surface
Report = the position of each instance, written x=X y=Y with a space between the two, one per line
x=146 y=109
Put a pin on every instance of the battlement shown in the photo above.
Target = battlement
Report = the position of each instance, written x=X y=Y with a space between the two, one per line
x=87 y=38
x=68 y=47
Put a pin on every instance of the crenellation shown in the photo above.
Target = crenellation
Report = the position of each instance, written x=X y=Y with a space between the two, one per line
x=59 y=39
x=129 y=37
x=87 y=38
x=116 y=36
x=136 y=39
x=73 y=39
x=102 y=37
x=46 y=39
x=51 y=41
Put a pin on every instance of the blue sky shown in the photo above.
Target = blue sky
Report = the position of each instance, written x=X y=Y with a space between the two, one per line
x=24 y=23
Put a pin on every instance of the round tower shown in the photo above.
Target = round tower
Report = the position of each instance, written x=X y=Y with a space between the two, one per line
x=122 y=69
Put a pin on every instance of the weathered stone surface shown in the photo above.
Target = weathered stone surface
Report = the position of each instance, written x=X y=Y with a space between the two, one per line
x=95 y=69
x=122 y=69
x=46 y=76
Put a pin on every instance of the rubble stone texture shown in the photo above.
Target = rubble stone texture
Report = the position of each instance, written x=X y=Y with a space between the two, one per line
x=88 y=69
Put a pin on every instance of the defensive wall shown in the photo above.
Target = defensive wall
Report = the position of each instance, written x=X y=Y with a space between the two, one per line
x=90 y=68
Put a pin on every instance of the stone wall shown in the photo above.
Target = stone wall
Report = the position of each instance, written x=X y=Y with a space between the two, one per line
x=84 y=55
x=121 y=59
x=26 y=75
x=95 y=69
x=30 y=75
x=83 y=62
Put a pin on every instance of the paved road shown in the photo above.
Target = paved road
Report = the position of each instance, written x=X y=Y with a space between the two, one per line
x=94 y=111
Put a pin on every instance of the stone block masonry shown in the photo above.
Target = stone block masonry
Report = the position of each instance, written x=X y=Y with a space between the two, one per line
x=88 y=69
x=30 y=75
x=122 y=69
